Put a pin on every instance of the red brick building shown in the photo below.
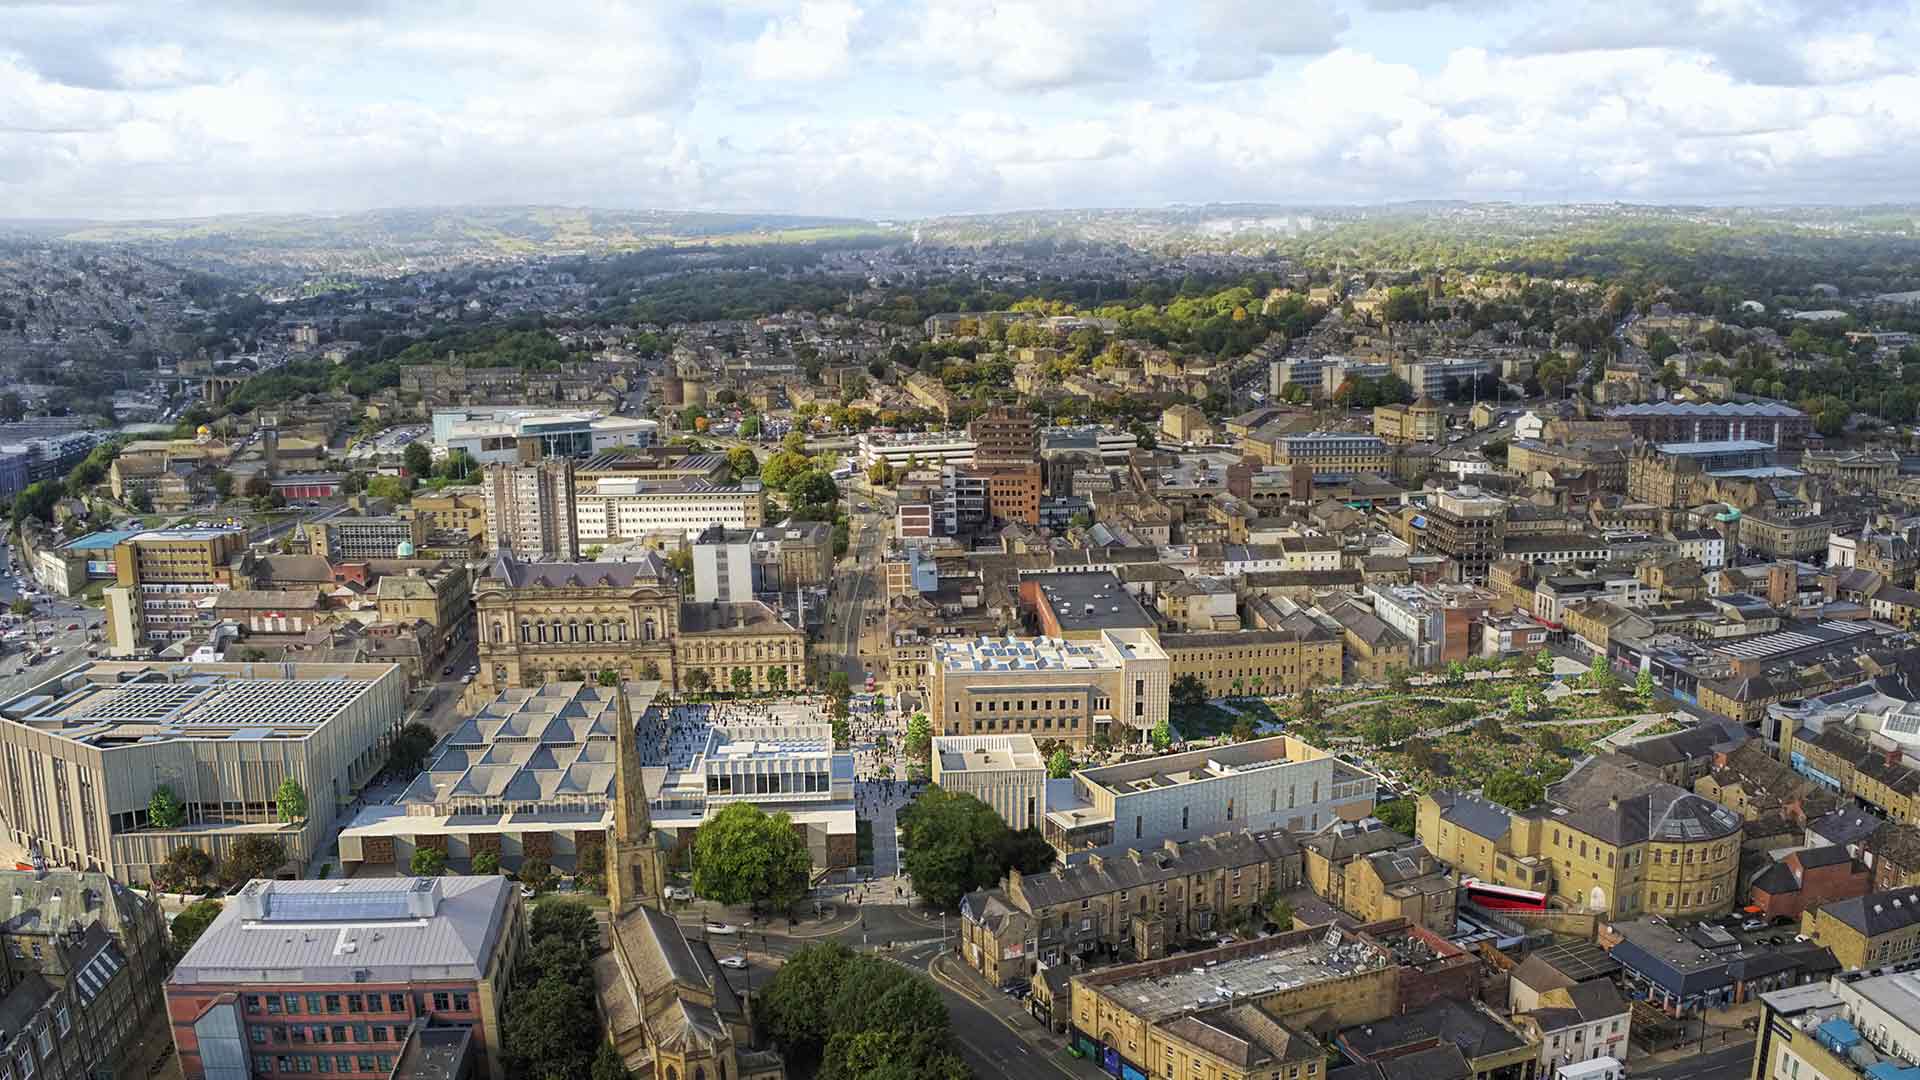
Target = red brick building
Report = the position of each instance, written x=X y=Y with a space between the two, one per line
x=329 y=978
x=1806 y=880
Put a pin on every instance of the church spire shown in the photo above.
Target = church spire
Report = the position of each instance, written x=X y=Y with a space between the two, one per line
x=634 y=872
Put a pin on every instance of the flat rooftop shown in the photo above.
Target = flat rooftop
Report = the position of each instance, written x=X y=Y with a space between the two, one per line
x=120 y=703
x=354 y=930
x=1089 y=601
x=990 y=654
x=987 y=753
x=1158 y=990
x=1719 y=446
x=1193 y=766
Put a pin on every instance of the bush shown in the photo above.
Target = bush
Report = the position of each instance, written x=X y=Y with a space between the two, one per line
x=192 y=922
x=535 y=872
x=486 y=863
x=427 y=862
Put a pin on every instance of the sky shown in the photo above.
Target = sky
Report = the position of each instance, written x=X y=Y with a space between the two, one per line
x=913 y=108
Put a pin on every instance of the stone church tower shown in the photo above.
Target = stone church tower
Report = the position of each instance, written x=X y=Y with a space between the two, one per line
x=637 y=872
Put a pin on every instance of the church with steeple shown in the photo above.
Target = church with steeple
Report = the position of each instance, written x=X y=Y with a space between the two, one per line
x=671 y=1012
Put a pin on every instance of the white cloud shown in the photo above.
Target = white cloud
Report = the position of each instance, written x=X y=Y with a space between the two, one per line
x=934 y=106
x=810 y=44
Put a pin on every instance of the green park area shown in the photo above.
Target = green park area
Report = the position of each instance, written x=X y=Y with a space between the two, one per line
x=1452 y=731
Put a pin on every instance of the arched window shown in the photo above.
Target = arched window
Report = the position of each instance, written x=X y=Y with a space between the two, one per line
x=557 y=639
x=526 y=632
x=622 y=625
x=699 y=1073
x=673 y=1073
x=499 y=632
x=541 y=630
x=573 y=630
x=591 y=636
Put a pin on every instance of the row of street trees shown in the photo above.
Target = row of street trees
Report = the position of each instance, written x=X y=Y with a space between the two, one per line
x=838 y=1015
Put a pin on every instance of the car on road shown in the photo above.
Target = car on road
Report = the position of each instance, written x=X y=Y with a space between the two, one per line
x=737 y=963
x=447 y=672
x=679 y=892
x=1753 y=924
x=526 y=892
x=73 y=626
x=722 y=929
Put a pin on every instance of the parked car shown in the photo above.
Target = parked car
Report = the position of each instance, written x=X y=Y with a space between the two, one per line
x=1753 y=924
x=679 y=892
x=722 y=929
x=736 y=962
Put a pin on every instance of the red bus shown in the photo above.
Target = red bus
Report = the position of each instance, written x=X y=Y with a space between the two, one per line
x=1502 y=897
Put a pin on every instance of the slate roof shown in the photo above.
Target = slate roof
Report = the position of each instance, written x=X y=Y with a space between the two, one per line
x=648 y=568
x=1878 y=913
x=1618 y=806
x=1147 y=866
x=1244 y=1036
x=1474 y=1033
x=1474 y=814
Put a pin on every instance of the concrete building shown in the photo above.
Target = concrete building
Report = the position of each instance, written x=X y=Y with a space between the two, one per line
x=83 y=957
x=1468 y=526
x=1863 y=1030
x=612 y=509
x=1421 y=421
x=495 y=436
x=354 y=537
x=792 y=554
x=1431 y=378
x=530 y=510
x=723 y=566
x=1050 y=688
x=907 y=451
x=1296 y=653
x=161 y=579
x=86 y=751
x=293 y=968
x=1007 y=772
x=1273 y=783
x=532 y=775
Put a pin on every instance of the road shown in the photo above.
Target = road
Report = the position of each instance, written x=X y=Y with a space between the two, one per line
x=48 y=626
x=1733 y=1063
x=858 y=586
x=983 y=1033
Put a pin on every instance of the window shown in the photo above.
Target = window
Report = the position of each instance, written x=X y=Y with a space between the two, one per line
x=360 y=1033
x=355 y=1003
x=291 y=1002
x=258 y=1034
x=262 y=1063
x=366 y=1062
x=440 y=1002
x=333 y=1003
x=379 y=1033
x=339 y=1033
x=253 y=1004
x=65 y=1019
x=397 y=1003
x=273 y=1005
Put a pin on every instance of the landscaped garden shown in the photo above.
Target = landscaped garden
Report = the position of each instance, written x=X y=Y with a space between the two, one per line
x=1451 y=731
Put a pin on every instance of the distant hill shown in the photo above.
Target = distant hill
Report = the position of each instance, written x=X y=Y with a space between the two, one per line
x=411 y=239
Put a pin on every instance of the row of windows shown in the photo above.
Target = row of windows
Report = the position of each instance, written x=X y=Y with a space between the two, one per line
x=1023 y=704
x=380 y=1064
x=1022 y=723
x=316 y=1004
x=282 y=1034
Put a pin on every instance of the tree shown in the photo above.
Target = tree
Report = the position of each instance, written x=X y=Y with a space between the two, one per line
x=608 y=1065
x=427 y=862
x=1311 y=709
x=742 y=679
x=487 y=862
x=777 y=678
x=417 y=458
x=952 y=846
x=410 y=748
x=1162 y=735
x=566 y=923
x=552 y=1028
x=185 y=868
x=164 y=809
x=1543 y=662
x=744 y=855
x=251 y=857
x=22 y=607
x=1243 y=730
x=742 y=463
x=1548 y=739
x=258 y=486
x=1060 y=765
x=1514 y=790
x=192 y=922
x=1420 y=752
x=1280 y=913
x=391 y=488
x=1187 y=691
x=919 y=736
x=607 y=677
x=572 y=674
x=1397 y=815
x=1378 y=728
x=223 y=484
x=1600 y=675
x=535 y=871
x=1643 y=685
x=291 y=801
x=838 y=686
x=1397 y=680
x=1491 y=728
x=698 y=680
x=1456 y=673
